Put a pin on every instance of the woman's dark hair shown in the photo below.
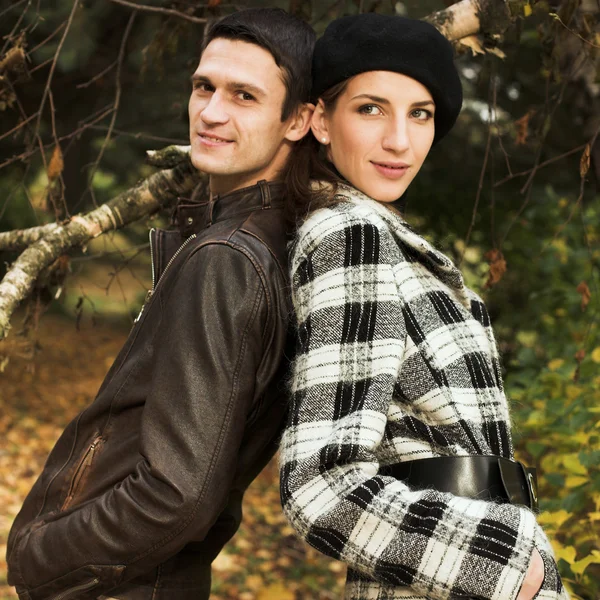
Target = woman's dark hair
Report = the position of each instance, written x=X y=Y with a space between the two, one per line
x=308 y=164
x=289 y=40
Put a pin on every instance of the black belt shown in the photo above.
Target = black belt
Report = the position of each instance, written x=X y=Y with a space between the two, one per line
x=480 y=477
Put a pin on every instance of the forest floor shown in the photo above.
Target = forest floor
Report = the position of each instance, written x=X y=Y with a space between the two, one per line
x=46 y=382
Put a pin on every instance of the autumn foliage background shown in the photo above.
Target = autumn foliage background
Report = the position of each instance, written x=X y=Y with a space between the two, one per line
x=511 y=194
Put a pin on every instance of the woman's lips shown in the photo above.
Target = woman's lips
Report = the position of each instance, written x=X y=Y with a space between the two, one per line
x=390 y=170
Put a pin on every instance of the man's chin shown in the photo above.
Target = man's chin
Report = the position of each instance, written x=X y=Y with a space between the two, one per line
x=209 y=165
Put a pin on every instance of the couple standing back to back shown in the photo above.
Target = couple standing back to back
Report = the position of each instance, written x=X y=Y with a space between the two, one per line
x=395 y=360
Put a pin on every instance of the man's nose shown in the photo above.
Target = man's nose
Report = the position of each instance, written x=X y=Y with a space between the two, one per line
x=396 y=136
x=214 y=112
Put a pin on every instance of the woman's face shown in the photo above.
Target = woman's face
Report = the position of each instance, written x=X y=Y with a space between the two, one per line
x=378 y=133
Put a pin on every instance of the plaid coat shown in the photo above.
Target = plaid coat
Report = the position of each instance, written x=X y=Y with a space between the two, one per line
x=397 y=361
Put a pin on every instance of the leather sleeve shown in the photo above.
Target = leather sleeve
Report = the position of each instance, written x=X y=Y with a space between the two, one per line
x=208 y=349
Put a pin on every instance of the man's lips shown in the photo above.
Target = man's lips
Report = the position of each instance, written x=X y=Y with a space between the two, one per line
x=211 y=139
x=391 y=170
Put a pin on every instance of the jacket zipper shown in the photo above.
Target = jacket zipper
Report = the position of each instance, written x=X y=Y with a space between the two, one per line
x=155 y=283
x=82 y=467
x=78 y=588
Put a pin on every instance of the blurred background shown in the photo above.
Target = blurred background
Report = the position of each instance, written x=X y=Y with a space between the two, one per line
x=87 y=86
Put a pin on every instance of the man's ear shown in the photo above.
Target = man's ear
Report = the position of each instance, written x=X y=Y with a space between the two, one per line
x=300 y=123
x=319 y=124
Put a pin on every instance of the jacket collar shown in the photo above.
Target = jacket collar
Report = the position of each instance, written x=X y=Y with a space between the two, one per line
x=192 y=216
x=436 y=262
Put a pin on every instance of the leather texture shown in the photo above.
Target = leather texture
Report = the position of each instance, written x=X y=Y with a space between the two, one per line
x=145 y=486
x=481 y=477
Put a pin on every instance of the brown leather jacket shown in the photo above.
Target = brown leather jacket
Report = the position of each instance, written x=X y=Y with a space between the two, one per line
x=144 y=487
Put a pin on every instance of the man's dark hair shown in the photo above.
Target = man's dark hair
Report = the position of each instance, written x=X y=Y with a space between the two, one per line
x=289 y=40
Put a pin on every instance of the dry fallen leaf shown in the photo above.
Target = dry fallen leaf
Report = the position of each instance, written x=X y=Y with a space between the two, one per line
x=497 y=267
x=584 y=163
x=522 y=126
x=55 y=168
x=586 y=295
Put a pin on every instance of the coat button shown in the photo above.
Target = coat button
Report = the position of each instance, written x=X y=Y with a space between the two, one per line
x=190 y=220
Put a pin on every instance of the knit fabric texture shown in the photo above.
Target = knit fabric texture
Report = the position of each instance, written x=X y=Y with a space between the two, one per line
x=397 y=361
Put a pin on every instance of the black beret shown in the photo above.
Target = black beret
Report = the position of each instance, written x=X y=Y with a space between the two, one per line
x=374 y=42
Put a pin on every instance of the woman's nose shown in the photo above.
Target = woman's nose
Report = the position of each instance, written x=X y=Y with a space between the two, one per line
x=396 y=136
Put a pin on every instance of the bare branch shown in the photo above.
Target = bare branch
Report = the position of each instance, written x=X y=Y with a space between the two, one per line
x=53 y=67
x=116 y=103
x=158 y=10
x=147 y=197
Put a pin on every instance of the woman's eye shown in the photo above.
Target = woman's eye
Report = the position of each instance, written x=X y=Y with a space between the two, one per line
x=370 y=109
x=421 y=114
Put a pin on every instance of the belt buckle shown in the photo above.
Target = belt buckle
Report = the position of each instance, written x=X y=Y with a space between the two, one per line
x=520 y=483
x=531 y=477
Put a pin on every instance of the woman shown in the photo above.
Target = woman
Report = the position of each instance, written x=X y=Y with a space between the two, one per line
x=397 y=361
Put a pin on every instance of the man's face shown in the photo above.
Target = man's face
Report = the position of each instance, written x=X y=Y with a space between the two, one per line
x=236 y=132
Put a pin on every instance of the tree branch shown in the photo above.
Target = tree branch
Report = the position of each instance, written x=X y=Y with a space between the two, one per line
x=158 y=10
x=157 y=190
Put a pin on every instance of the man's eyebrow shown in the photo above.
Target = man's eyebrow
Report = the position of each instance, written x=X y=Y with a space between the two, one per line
x=232 y=85
x=247 y=87
x=196 y=78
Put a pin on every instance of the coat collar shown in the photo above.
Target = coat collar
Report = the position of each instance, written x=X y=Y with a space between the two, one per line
x=436 y=262
x=193 y=216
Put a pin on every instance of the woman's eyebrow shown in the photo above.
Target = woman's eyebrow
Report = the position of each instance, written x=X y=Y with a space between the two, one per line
x=423 y=103
x=374 y=98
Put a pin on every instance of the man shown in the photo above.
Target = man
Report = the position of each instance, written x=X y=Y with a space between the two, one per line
x=144 y=488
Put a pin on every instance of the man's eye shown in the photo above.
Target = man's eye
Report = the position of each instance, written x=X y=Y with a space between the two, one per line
x=204 y=87
x=369 y=109
x=246 y=96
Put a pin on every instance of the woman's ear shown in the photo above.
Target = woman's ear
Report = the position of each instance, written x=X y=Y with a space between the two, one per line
x=300 y=123
x=319 y=123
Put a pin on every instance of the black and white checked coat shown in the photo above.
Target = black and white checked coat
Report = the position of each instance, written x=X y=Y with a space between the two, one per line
x=397 y=361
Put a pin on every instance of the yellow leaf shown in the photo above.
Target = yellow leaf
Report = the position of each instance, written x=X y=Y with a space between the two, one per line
x=594 y=516
x=580 y=566
x=527 y=10
x=555 y=364
x=573 y=391
x=556 y=518
x=575 y=481
x=573 y=464
x=596 y=354
x=567 y=553
x=277 y=591
x=582 y=437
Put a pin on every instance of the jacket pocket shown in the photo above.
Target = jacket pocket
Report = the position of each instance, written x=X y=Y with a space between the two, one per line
x=82 y=469
x=84 y=583
x=77 y=589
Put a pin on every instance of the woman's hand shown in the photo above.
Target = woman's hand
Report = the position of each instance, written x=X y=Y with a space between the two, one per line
x=533 y=578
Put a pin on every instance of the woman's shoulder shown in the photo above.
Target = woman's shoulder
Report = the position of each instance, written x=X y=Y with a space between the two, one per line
x=333 y=225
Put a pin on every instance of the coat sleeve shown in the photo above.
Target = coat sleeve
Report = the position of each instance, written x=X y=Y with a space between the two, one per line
x=207 y=351
x=351 y=341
